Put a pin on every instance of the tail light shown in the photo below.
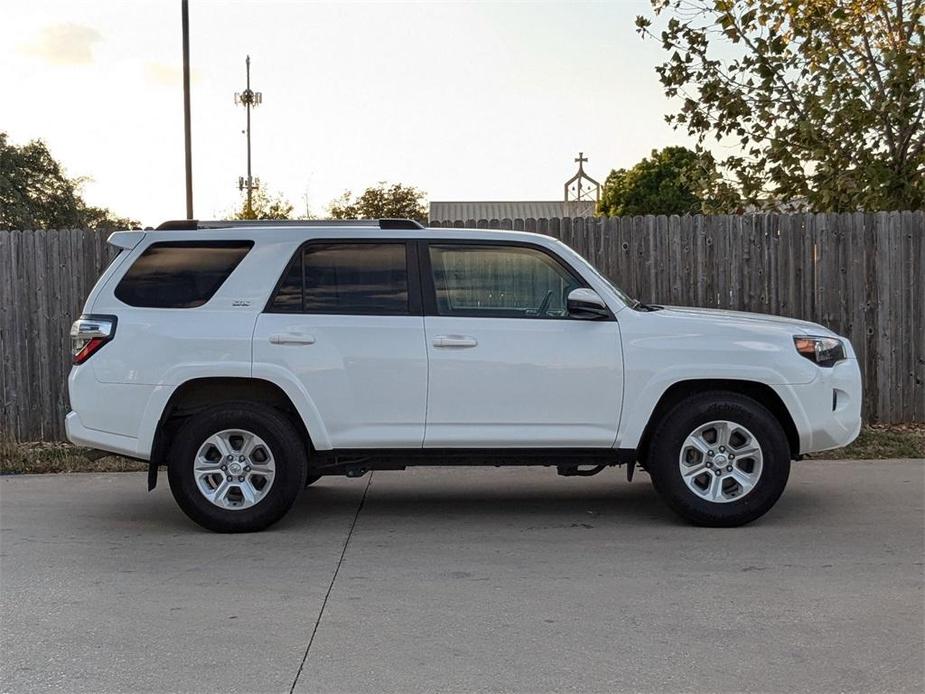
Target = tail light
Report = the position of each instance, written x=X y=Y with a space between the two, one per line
x=89 y=333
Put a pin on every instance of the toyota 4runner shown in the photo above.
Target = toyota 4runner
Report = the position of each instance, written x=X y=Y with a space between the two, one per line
x=252 y=360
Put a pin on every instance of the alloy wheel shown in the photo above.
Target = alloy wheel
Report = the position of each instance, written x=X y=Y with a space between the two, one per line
x=234 y=469
x=720 y=461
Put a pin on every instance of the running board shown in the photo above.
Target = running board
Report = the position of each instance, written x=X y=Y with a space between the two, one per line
x=357 y=461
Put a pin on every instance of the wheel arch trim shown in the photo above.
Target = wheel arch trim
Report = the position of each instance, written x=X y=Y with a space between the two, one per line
x=764 y=394
x=154 y=439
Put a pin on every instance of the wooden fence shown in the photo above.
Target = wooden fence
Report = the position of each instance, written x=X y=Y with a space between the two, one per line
x=863 y=275
x=44 y=278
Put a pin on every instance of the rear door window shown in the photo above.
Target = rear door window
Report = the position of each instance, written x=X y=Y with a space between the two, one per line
x=345 y=278
x=180 y=274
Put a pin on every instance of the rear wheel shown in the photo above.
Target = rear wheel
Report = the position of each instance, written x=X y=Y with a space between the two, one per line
x=719 y=459
x=237 y=467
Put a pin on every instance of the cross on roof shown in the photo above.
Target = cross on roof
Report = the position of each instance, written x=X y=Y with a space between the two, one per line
x=575 y=188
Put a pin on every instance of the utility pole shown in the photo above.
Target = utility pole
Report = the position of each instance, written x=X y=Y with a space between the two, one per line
x=184 y=11
x=249 y=98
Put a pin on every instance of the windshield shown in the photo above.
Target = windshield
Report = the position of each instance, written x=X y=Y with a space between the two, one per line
x=624 y=297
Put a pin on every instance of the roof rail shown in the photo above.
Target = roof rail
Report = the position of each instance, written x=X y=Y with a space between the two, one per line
x=194 y=224
x=177 y=225
x=399 y=224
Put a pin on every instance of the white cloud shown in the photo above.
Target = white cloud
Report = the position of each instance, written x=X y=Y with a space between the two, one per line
x=65 y=44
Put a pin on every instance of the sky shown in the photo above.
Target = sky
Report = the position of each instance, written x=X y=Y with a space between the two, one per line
x=466 y=101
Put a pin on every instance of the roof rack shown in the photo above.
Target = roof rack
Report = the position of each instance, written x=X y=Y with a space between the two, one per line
x=194 y=224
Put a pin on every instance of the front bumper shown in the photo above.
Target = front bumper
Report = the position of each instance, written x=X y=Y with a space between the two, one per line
x=827 y=410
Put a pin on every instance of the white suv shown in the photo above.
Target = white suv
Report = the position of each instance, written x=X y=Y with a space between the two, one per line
x=250 y=360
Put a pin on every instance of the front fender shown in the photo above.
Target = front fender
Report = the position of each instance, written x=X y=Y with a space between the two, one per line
x=639 y=409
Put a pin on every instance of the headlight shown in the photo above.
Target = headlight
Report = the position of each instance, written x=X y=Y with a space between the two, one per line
x=825 y=351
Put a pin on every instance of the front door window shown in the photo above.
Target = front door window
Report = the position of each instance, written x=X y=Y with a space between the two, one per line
x=494 y=281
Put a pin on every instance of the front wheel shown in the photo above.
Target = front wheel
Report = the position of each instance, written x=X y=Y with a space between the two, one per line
x=237 y=467
x=719 y=459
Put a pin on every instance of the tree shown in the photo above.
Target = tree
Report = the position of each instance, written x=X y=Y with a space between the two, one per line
x=675 y=180
x=381 y=201
x=35 y=193
x=823 y=99
x=263 y=206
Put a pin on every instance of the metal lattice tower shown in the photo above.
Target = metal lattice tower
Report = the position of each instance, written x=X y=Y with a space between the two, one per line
x=249 y=99
x=575 y=189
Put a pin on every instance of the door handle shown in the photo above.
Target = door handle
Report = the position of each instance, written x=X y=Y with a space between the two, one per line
x=455 y=341
x=291 y=339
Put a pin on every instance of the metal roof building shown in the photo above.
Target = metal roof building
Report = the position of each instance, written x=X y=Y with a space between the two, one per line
x=580 y=197
x=451 y=211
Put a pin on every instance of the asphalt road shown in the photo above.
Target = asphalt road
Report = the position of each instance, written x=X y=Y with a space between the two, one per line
x=466 y=580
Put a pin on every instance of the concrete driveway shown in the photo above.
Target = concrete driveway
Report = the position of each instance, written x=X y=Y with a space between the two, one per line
x=466 y=580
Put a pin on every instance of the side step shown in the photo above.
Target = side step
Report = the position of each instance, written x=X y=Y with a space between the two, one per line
x=575 y=471
x=567 y=461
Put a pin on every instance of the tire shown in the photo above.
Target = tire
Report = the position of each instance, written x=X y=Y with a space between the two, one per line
x=746 y=486
x=263 y=484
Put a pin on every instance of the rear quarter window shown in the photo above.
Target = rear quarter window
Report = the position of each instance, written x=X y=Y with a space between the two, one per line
x=180 y=274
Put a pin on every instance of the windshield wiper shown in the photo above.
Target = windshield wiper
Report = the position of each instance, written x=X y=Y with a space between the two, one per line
x=646 y=308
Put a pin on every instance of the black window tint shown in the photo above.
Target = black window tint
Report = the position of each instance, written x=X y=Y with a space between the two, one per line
x=499 y=281
x=180 y=274
x=288 y=297
x=359 y=278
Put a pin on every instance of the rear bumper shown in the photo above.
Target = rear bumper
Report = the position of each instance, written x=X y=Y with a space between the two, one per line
x=826 y=411
x=94 y=438
x=117 y=417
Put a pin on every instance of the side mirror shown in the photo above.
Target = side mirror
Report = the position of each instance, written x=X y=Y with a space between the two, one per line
x=585 y=304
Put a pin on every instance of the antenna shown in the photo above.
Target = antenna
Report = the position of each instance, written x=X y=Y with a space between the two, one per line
x=249 y=99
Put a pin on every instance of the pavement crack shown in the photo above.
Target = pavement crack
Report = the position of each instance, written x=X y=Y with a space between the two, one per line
x=324 y=602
